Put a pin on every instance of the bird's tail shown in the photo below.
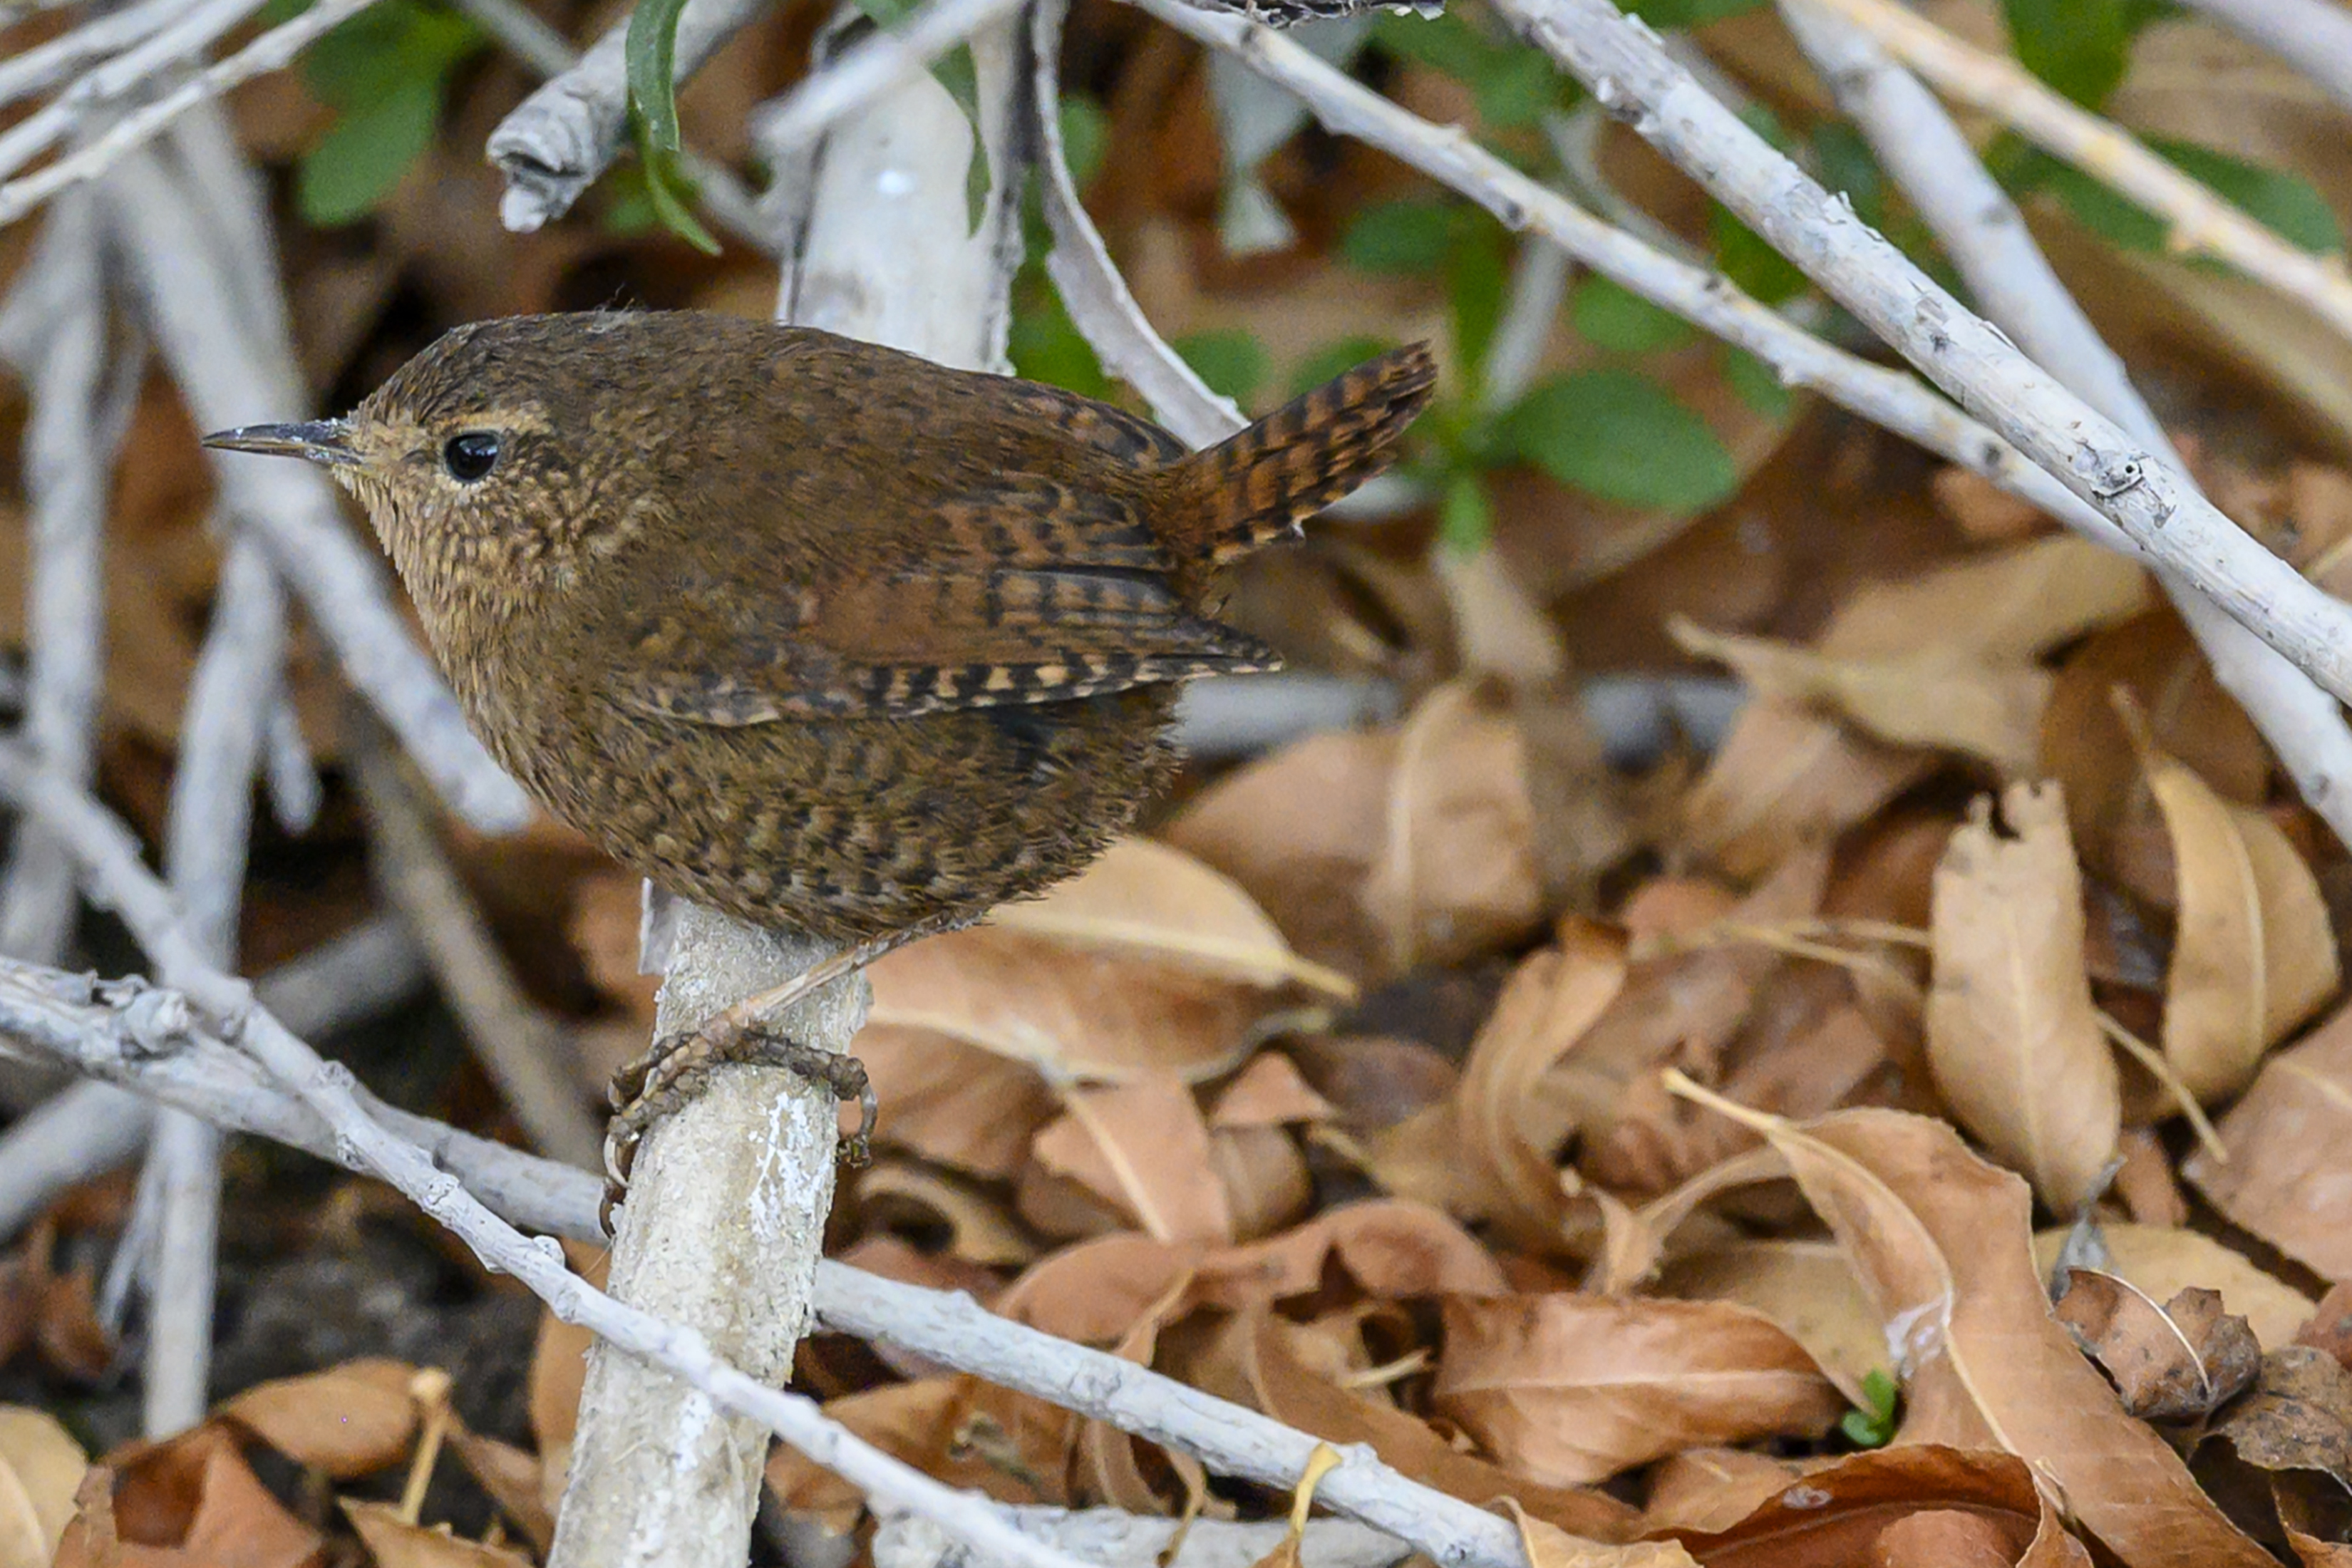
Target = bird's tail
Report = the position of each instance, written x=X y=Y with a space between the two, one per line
x=1259 y=485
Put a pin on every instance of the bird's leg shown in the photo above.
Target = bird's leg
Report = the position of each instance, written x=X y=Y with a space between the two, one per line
x=673 y=1070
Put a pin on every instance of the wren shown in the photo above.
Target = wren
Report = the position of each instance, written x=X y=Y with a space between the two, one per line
x=818 y=633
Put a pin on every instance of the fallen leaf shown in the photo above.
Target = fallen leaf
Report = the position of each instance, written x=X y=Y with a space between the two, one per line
x=41 y=1467
x=192 y=1502
x=2292 y=1430
x=394 y=1542
x=2252 y=951
x=1806 y=1288
x=1549 y=1546
x=1456 y=874
x=2169 y=1362
x=1142 y=1147
x=1268 y=1092
x=1702 y=1492
x=515 y=1479
x=2289 y=1138
x=1942 y=698
x=954 y=1103
x=1839 y=1515
x=1572 y=1389
x=348 y=1421
x=2013 y=1037
x=2162 y=1262
x=1785 y=777
x=978 y=1229
x=2004 y=606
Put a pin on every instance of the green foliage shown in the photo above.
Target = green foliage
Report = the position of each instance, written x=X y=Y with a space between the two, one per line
x=1610 y=316
x=651 y=57
x=1754 y=382
x=1872 y=1424
x=1411 y=236
x=1333 y=358
x=2081 y=48
x=1512 y=83
x=1465 y=518
x=386 y=72
x=1843 y=160
x=1230 y=360
x=2282 y=202
x=1750 y=262
x=1460 y=242
x=1045 y=344
x=1085 y=137
x=1620 y=435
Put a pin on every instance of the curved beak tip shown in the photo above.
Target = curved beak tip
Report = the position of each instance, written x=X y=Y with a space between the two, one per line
x=319 y=440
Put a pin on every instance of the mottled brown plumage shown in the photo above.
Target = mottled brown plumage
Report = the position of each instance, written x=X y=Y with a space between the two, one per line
x=818 y=632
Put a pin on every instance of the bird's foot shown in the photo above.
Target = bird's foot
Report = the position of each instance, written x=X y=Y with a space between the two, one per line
x=677 y=1067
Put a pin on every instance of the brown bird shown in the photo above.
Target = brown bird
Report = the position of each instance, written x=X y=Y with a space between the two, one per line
x=818 y=633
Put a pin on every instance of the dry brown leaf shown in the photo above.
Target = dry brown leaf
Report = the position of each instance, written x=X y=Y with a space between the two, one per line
x=1806 y=1287
x=1456 y=875
x=2169 y=1362
x=41 y=1467
x=1098 y=1015
x=1839 y=1515
x=1785 y=777
x=2005 y=606
x=1265 y=1177
x=559 y=1366
x=2253 y=953
x=1549 y=1546
x=979 y=1230
x=1703 y=1490
x=394 y=1542
x=1941 y=698
x=1572 y=1389
x=2282 y=1453
x=192 y=1502
x=1142 y=1147
x=515 y=1479
x=1282 y=1386
x=945 y=1426
x=1941 y=1242
x=1300 y=830
x=1508 y=1157
x=2289 y=1176
x=953 y=1103
x=1268 y=1092
x=346 y=1422
x=2013 y=1037
x=1149 y=901
x=2163 y=1261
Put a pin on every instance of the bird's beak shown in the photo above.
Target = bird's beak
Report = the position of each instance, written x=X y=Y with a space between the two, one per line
x=321 y=440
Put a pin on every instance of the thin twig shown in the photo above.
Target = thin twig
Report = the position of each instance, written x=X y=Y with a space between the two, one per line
x=1628 y=70
x=1930 y=161
x=519 y=1046
x=45 y=65
x=145 y=1040
x=871 y=67
x=2313 y=36
x=2198 y=222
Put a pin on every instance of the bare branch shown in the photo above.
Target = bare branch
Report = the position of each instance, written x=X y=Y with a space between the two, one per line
x=2313 y=36
x=2199 y=222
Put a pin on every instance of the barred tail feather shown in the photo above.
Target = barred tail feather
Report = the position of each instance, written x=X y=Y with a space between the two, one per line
x=1259 y=485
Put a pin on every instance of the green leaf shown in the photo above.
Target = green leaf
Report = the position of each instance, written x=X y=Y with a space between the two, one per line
x=1477 y=275
x=1085 y=137
x=1749 y=262
x=1516 y=89
x=1870 y=1425
x=1411 y=236
x=1045 y=345
x=1755 y=384
x=1607 y=315
x=628 y=206
x=1465 y=518
x=358 y=163
x=1844 y=162
x=651 y=56
x=1230 y=359
x=672 y=196
x=1619 y=435
x=2081 y=48
x=2282 y=202
x=1334 y=359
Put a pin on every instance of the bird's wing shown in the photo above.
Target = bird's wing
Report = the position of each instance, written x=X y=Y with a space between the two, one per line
x=1023 y=589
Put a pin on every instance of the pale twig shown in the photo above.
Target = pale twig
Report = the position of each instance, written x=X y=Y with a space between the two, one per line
x=561 y=140
x=91 y=1128
x=519 y=1046
x=146 y=1022
x=56 y=331
x=2313 y=36
x=145 y=1040
x=266 y=53
x=1097 y=297
x=45 y=65
x=231 y=376
x=2198 y=222
x=872 y=67
x=1112 y=1538
x=1622 y=60
x=1932 y=163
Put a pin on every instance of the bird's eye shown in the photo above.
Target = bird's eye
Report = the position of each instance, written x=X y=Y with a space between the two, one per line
x=471 y=456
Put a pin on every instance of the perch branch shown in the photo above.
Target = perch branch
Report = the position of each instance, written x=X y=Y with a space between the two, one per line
x=2199 y=222
x=142 y=1038
x=1930 y=161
